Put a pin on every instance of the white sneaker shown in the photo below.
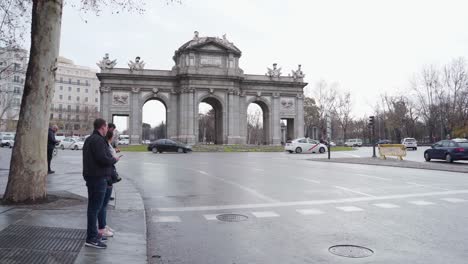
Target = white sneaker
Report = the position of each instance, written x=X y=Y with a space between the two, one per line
x=110 y=229
x=106 y=233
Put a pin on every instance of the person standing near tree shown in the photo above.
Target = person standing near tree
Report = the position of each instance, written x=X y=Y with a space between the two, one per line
x=51 y=142
x=115 y=136
x=97 y=167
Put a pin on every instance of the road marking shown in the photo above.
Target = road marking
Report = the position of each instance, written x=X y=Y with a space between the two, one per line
x=258 y=169
x=352 y=155
x=247 y=189
x=306 y=203
x=421 y=202
x=349 y=208
x=427 y=186
x=265 y=214
x=211 y=217
x=371 y=176
x=166 y=219
x=309 y=211
x=349 y=190
x=454 y=200
x=305 y=179
x=386 y=205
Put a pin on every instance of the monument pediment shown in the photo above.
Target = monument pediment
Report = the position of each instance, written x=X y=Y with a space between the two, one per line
x=209 y=44
x=211 y=47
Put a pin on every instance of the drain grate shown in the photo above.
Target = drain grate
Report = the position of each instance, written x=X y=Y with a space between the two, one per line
x=231 y=217
x=37 y=244
x=351 y=251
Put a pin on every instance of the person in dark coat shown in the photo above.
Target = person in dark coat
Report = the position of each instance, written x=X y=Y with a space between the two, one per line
x=97 y=167
x=51 y=142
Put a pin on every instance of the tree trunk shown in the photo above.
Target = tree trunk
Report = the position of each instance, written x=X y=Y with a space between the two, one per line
x=28 y=166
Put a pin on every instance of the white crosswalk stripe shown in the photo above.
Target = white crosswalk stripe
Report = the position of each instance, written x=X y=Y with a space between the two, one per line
x=211 y=217
x=421 y=202
x=454 y=200
x=265 y=214
x=349 y=208
x=309 y=211
x=386 y=205
x=166 y=219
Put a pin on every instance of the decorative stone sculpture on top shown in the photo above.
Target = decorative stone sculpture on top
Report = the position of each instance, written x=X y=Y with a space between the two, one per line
x=137 y=65
x=298 y=74
x=275 y=72
x=106 y=63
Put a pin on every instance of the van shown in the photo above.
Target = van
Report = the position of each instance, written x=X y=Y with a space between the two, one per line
x=355 y=142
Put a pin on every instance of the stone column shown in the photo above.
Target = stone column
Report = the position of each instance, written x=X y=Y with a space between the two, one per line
x=299 y=122
x=191 y=117
x=106 y=102
x=242 y=118
x=135 y=117
x=276 y=121
x=187 y=116
x=233 y=117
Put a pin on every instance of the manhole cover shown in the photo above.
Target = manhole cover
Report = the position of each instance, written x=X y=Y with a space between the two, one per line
x=231 y=217
x=351 y=251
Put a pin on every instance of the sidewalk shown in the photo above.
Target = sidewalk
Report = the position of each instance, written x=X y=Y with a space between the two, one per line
x=55 y=232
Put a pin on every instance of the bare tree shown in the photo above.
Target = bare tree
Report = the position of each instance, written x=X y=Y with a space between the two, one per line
x=28 y=167
x=342 y=111
x=325 y=98
x=255 y=132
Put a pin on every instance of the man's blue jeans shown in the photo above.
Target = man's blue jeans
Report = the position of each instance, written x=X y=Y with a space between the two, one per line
x=102 y=216
x=96 y=194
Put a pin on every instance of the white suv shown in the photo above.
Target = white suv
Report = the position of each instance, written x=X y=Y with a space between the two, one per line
x=355 y=142
x=410 y=143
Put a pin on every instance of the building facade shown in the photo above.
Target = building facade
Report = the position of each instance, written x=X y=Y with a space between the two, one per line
x=13 y=66
x=206 y=70
x=76 y=100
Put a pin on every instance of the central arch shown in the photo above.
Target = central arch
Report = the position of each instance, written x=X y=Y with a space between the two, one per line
x=159 y=129
x=217 y=108
x=266 y=124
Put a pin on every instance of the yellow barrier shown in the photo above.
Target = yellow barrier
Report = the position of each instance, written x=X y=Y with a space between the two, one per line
x=398 y=150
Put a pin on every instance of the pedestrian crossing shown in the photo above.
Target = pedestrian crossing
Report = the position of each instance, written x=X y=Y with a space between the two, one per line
x=317 y=212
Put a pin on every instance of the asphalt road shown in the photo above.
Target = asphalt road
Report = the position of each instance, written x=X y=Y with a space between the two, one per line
x=295 y=209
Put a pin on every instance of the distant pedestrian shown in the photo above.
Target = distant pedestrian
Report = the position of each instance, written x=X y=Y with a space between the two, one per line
x=97 y=167
x=115 y=136
x=51 y=142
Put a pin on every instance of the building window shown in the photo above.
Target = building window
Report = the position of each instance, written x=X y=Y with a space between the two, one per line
x=96 y=91
x=61 y=97
x=86 y=90
x=69 y=98
x=16 y=78
x=16 y=90
x=17 y=67
x=95 y=100
x=69 y=108
x=86 y=109
x=78 y=98
x=86 y=99
x=86 y=82
x=78 y=82
x=78 y=89
x=51 y=116
x=69 y=88
x=60 y=108
x=77 y=108
x=16 y=102
x=69 y=80
x=52 y=106
x=77 y=127
x=61 y=88
x=77 y=118
x=61 y=79
x=60 y=116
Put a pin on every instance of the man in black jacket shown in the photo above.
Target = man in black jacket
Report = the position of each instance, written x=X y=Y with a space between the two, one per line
x=97 y=166
x=51 y=142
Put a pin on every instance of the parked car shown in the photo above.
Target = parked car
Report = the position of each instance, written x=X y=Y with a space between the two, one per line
x=383 y=141
x=305 y=145
x=448 y=150
x=78 y=144
x=354 y=142
x=7 y=141
x=124 y=141
x=410 y=143
x=146 y=142
x=66 y=143
x=168 y=145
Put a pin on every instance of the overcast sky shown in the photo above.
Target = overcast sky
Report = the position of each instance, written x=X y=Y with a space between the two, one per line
x=367 y=46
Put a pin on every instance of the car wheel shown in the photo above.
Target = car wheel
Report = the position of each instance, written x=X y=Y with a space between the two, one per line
x=322 y=150
x=62 y=147
x=298 y=150
x=185 y=151
x=290 y=151
x=448 y=158
x=75 y=147
x=415 y=148
x=154 y=150
x=180 y=150
x=427 y=157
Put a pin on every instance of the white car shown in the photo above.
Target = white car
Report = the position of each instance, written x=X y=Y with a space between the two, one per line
x=124 y=141
x=305 y=145
x=67 y=143
x=7 y=141
x=410 y=143
x=355 y=142
x=78 y=144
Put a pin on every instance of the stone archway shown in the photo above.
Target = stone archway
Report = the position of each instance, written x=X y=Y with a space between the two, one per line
x=149 y=133
x=266 y=118
x=217 y=106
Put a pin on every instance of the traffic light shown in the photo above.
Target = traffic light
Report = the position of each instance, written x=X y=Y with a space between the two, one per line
x=371 y=121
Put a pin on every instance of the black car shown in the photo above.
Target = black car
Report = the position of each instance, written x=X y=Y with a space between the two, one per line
x=449 y=150
x=168 y=145
x=383 y=141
